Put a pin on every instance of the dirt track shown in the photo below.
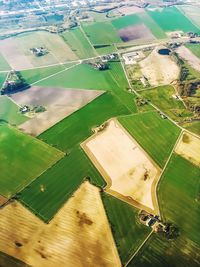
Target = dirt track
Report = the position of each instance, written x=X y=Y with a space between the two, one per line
x=78 y=236
x=129 y=172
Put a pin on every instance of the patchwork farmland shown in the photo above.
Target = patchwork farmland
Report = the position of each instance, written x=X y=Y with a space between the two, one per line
x=99 y=152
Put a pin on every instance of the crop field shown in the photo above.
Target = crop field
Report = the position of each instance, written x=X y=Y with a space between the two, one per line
x=17 y=52
x=192 y=126
x=58 y=102
x=195 y=48
x=8 y=261
x=162 y=97
x=178 y=195
x=9 y=112
x=105 y=49
x=80 y=228
x=157 y=136
x=112 y=79
x=189 y=147
x=130 y=174
x=171 y=19
x=161 y=252
x=71 y=131
x=192 y=12
x=3 y=76
x=101 y=33
x=59 y=183
x=78 y=43
x=127 y=231
x=3 y=63
x=23 y=159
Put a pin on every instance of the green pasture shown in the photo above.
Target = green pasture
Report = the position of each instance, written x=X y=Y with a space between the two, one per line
x=178 y=195
x=3 y=76
x=59 y=183
x=101 y=33
x=171 y=19
x=112 y=79
x=195 y=48
x=78 y=127
x=22 y=159
x=78 y=43
x=162 y=98
x=127 y=231
x=160 y=252
x=9 y=112
x=156 y=135
x=192 y=126
x=105 y=49
x=3 y=63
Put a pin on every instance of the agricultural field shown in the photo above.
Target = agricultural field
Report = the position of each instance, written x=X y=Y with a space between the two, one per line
x=105 y=49
x=22 y=159
x=3 y=63
x=101 y=33
x=17 y=51
x=3 y=76
x=78 y=43
x=127 y=231
x=129 y=172
x=164 y=97
x=8 y=261
x=9 y=112
x=171 y=19
x=188 y=54
x=80 y=228
x=195 y=48
x=156 y=136
x=192 y=12
x=58 y=103
x=192 y=126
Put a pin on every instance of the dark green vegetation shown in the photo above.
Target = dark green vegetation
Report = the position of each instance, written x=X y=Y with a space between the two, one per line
x=156 y=135
x=163 y=98
x=195 y=48
x=171 y=19
x=9 y=112
x=161 y=252
x=3 y=63
x=23 y=159
x=101 y=33
x=127 y=231
x=112 y=79
x=8 y=261
x=78 y=43
x=66 y=176
x=179 y=196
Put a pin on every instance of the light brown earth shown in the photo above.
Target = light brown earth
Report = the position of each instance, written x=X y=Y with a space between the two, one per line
x=136 y=32
x=17 y=52
x=159 y=69
x=189 y=148
x=129 y=172
x=128 y=10
x=78 y=236
x=59 y=103
x=3 y=200
x=187 y=55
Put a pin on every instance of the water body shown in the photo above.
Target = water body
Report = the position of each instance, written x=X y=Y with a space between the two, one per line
x=164 y=51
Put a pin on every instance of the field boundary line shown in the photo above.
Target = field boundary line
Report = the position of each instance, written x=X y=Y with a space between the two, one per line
x=136 y=252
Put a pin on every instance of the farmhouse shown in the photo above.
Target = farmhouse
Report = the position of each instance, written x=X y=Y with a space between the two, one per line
x=39 y=51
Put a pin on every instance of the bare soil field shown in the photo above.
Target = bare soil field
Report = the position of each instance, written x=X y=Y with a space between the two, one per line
x=59 y=103
x=128 y=10
x=17 y=52
x=3 y=200
x=187 y=55
x=79 y=235
x=189 y=148
x=159 y=69
x=129 y=172
x=136 y=32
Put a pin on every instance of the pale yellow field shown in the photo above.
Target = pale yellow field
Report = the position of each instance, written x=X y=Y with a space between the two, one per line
x=130 y=173
x=189 y=148
x=78 y=236
x=159 y=69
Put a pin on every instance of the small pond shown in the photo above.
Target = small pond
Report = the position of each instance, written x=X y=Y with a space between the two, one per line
x=164 y=51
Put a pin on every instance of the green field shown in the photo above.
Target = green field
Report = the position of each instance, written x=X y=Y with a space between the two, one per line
x=192 y=12
x=162 y=97
x=22 y=158
x=105 y=49
x=178 y=195
x=195 y=48
x=3 y=63
x=59 y=183
x=78 y=43
x=171 y=19
x=101 y=33
x=3 y=76
x=139 y=18
x=112 y=79
x=9 y=112
x=8 y=261
x=127 y=231
x=156 y=135
x=77 y=127
x=192 y=126
x=160 y=252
